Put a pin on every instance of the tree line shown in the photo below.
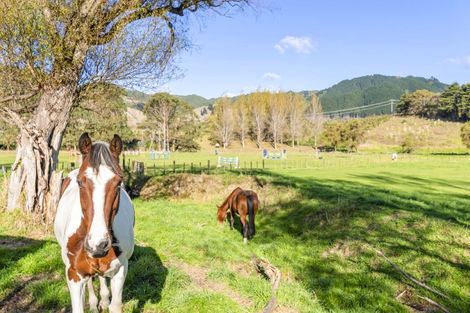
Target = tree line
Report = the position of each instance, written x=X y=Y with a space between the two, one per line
x=275 y=117
x=452 y=104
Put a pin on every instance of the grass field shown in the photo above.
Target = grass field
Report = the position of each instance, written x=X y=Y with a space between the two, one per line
x=319 y=225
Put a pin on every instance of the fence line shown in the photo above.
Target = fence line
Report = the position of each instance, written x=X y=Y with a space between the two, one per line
x=252 y=166
x=247 y=166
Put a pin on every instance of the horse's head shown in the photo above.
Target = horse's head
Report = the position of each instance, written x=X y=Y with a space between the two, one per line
x=99 y=179
x=221 y=213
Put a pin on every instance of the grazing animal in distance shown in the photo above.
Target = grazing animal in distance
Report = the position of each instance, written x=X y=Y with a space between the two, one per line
x=245 y=203
x=94 y=226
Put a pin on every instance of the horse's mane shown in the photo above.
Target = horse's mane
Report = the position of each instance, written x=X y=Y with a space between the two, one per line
x=101 y=155
x=225 y=203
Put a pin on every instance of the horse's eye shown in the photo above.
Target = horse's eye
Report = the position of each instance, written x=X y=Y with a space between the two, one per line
x=80 y=184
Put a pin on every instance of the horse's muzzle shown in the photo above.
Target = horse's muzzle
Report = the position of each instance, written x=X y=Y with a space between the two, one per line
x=100 y=250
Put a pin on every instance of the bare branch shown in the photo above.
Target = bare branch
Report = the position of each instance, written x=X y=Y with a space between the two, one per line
x=19 y=97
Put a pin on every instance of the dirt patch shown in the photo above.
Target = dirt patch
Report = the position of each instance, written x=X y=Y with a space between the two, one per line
x=284 y=309
x=243 y=269
x=408 y=298
x=14 y=244
x=19 y=300
x=199 y=277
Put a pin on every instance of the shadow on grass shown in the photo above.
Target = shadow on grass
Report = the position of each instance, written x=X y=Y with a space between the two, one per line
x=337 y=221
x=145 y=279
x=20 y=288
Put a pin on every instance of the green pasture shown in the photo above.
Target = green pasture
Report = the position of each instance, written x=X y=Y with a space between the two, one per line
x=318 y=224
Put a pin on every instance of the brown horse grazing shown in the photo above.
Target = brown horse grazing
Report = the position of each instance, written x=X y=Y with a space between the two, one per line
x=244 y=203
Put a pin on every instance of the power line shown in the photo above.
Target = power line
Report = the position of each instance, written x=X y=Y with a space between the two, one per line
x=389 y=103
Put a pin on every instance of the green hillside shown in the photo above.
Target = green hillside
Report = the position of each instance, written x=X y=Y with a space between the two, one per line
x=372 y=89
x=136 y=99
x=348 y=93
x=196 y=101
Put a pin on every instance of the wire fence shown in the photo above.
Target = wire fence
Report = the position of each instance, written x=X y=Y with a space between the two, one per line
x=167 y=167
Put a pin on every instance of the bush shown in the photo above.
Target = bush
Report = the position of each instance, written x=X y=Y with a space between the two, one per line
x=409 y=144
x=465 y=134
x=348 y=134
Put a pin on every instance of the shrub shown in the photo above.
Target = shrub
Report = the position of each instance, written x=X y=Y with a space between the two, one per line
x=409 y=144
x=465 y=134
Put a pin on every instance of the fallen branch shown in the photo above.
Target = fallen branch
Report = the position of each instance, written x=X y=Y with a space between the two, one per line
x=271 y=273
x=401 y=294
x=440 y=306
x=414 y=280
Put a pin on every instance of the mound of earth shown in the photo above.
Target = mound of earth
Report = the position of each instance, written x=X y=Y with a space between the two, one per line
x=209 y=187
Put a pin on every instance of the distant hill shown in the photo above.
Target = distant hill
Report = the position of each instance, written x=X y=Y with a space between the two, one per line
x=197 y=101
x=136 y=99
x=348 y=93
x=372 y=89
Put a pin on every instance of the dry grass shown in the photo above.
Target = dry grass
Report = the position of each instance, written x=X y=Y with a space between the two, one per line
x=3 y=193
x=213 y=188
x=429 y=133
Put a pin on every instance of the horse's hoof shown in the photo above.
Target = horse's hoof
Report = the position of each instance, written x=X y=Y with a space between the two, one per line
x=115 y=308
x=245 y=241
x=104 y=305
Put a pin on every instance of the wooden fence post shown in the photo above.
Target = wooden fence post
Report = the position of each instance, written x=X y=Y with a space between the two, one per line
x=174 y=166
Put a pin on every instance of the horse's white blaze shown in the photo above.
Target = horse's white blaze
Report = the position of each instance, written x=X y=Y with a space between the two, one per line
x=98 y=230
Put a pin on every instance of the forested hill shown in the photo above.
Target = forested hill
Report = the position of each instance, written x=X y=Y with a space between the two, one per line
x=345 y=94
x=197 y=101
x=372 y=89
x=136 y=99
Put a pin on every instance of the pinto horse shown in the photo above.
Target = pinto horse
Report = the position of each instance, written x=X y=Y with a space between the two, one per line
x=94 y=226
x=244 y=203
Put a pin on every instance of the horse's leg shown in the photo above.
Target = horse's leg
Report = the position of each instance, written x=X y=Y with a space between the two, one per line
x=117 y=285
x=77 y=294
x=104 y=294
x=92 y=299
x=245 y=228
x=232 y=219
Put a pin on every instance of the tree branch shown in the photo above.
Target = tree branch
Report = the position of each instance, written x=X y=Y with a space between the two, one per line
x=19 y=97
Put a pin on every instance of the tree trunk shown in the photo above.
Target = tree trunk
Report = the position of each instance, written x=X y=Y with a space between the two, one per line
x=242 y=137
x=275 y=140
x=34 y=170
x=258 y=137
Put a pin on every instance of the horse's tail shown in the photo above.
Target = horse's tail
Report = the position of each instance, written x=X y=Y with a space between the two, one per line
x=251 y=216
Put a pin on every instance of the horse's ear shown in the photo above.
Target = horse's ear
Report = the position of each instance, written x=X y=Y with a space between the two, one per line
x=84 y=144
x=116 y=146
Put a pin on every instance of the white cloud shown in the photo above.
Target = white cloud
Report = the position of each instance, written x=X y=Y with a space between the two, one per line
x=271 y=76
x=230 y=94
x=302 y=45
x=459 y=61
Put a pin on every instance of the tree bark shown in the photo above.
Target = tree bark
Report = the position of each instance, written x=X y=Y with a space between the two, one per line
x=34 y=171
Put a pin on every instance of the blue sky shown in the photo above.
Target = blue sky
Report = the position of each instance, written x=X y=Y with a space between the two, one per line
x=312 y=44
